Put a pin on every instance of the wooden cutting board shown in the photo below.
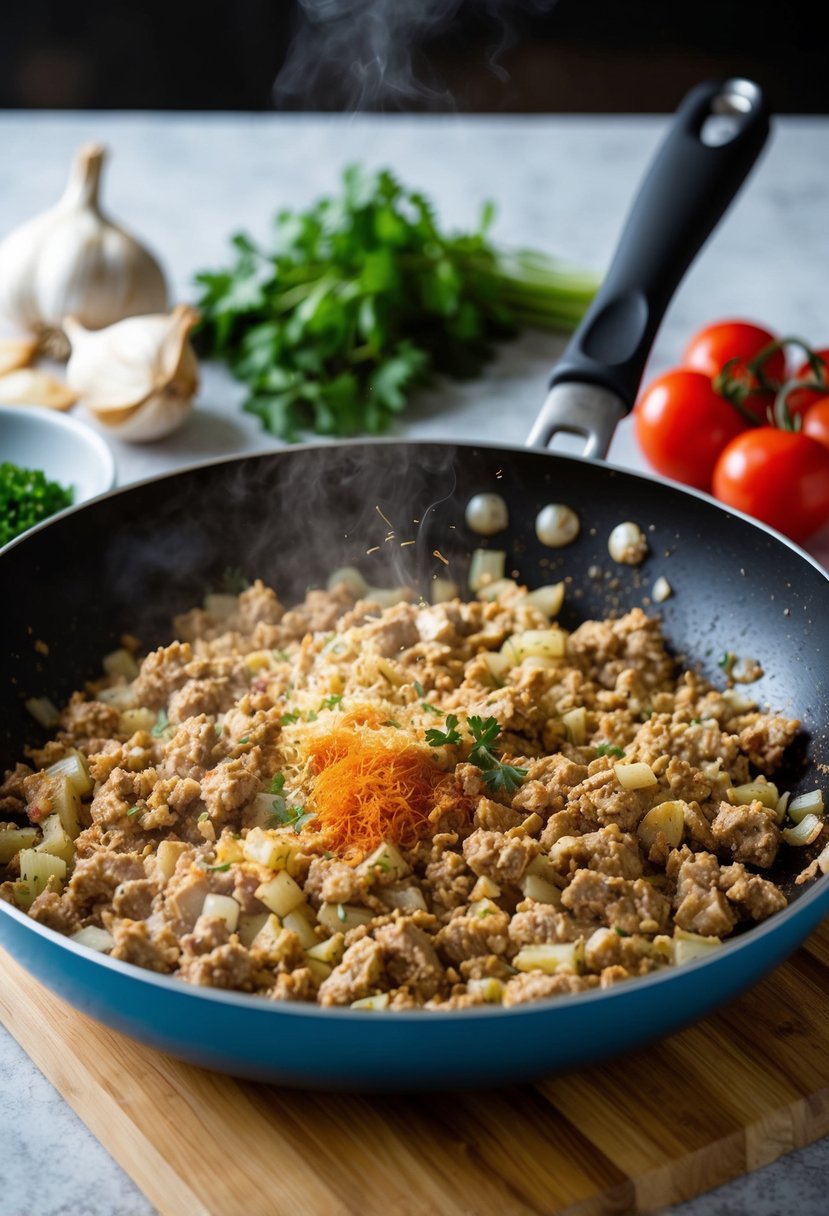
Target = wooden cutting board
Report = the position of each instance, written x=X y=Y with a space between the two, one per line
x=654 y=1128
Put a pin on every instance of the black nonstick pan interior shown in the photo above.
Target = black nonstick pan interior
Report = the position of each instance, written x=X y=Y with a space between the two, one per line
x=128 y=562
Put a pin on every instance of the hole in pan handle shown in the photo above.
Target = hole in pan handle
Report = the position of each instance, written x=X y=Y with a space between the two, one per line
x=714 y=139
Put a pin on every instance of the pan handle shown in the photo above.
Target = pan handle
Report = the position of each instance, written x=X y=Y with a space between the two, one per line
x=714 y=140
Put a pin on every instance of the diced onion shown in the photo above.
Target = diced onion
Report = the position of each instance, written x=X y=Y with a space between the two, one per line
x=548 y=599
x=387 y=597
x=805 y=832
x=120 y=663
x=556 y=525
x=73 y=766
x=330 y=951
x=223 y=906
x=339 y=918
x=43 y=711
x=220 y=606
x=386 y=859
x=548 y=957
x=754 y=791
x=540 y=890
x=12 y=840
x=575 y=723
x=549 y=643
x=485 y=567
x=299 y=923
x=487 y=987
x=93 y=938
x=380 y=1001
x=487 y=514
x=499 y=589
x=806 y=804
x=281 y=894
x=662 y=590
x=637 y=776
x=443 y=590
x=688 y=946
x=352 y=578
x=667 y=818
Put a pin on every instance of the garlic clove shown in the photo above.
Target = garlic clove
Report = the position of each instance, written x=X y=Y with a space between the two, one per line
x=28 y=387
x=136 y=378
x=73 y=259
x=16 y=353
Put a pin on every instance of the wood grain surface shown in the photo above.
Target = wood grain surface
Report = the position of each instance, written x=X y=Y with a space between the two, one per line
x=635 y=1136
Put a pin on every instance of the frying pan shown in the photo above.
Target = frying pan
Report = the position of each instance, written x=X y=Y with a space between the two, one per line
x=127 y=561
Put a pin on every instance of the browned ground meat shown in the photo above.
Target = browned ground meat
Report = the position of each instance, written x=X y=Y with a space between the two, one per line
x=203 y=849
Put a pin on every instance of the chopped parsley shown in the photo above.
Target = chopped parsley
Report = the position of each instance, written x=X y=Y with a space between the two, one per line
x=162 y=723
x=727 y=661
x=225 y=865
x=443 y=738
x=497 y=774
x=26 y=497
x=289 y=718
x=391 y=722
x=285 y=816
x=204 y=815
x=331 y=702
x=621 y=932
x=133 y=810
x=609 y=749
x=244 y=739
x=419 y=689
x=233 y=581
x=432 y=709
x=277 y=784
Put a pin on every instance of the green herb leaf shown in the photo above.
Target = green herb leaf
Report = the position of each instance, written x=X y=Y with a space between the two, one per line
x=419 y=689
x=277 y=784
x=220 y=868
x=331 y=702
x=289 y=718
x=443 y=738
x=498 y=775
x=133 y=810
x=609 y=749
x=162 y=723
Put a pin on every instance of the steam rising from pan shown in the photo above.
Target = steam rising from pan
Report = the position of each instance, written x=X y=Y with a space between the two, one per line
x=367 y=54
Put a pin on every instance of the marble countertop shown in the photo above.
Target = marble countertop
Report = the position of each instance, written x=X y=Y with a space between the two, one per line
x=186 y=182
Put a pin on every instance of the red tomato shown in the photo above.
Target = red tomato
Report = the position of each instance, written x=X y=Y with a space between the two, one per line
x=816 y=421
x=799 y=400
x=711 y=348
x=682 y=425
x=780 y=477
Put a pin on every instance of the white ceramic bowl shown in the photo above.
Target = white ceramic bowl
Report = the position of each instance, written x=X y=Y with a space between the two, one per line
x=66 y=450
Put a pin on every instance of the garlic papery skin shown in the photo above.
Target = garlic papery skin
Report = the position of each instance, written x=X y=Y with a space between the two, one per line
x=71 y=259
x=136 y=379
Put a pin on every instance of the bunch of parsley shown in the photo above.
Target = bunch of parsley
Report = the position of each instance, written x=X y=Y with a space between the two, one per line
x=361 y=298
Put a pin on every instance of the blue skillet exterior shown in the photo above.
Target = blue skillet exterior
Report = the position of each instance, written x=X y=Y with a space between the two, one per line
x=128 y=560
x=359 y=1051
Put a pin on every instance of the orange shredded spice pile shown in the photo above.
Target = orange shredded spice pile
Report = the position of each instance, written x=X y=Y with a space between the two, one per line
x=366 y=792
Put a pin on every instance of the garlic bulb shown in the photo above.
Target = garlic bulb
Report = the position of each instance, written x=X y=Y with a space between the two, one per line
x=72 y=260
x=137 y=378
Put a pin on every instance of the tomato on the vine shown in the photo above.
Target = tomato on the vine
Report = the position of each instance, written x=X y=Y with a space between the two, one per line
x=816 y=421
x=779 y=477
x=733 y=345
x=800 y=400
x=682 y=425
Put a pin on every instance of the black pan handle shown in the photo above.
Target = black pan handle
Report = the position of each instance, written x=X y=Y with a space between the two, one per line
x=714 y=140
